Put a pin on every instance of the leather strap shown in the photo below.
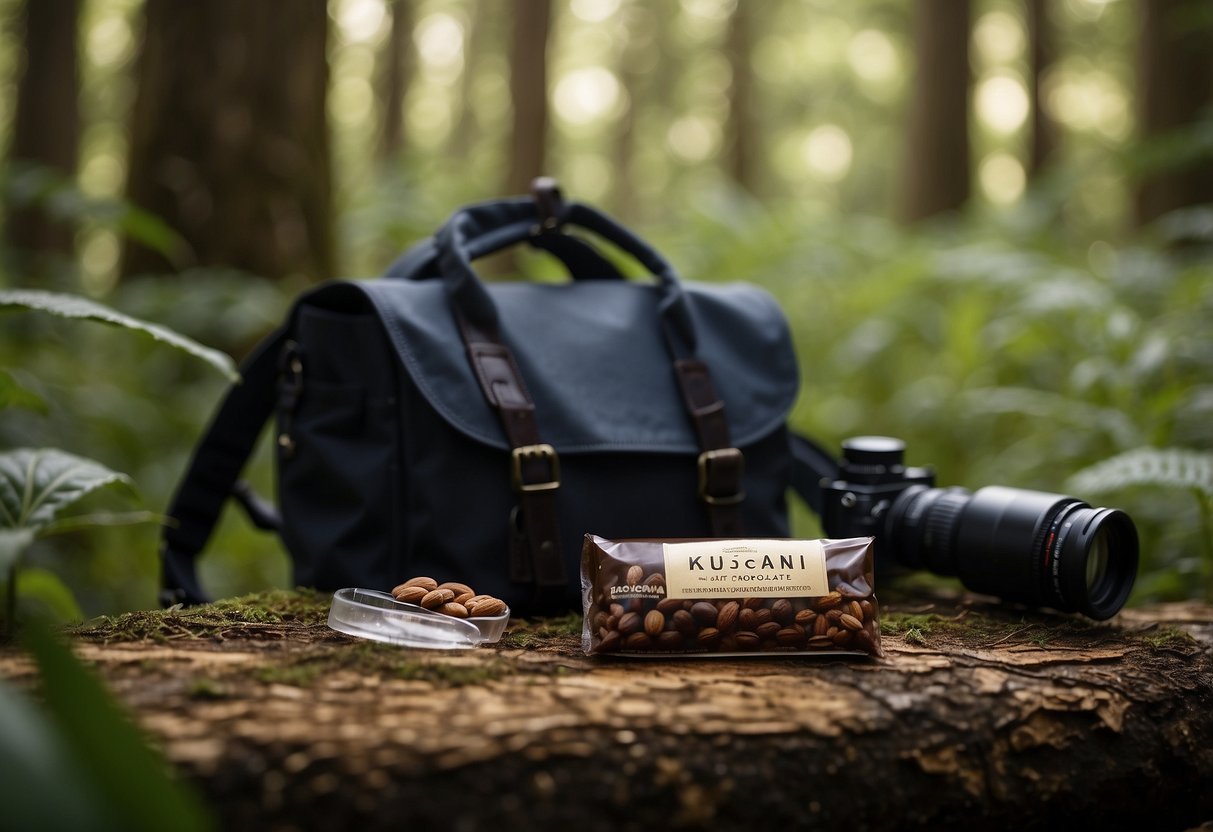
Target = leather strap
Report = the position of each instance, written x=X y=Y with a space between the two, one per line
x=535 y=551
x=721 y=466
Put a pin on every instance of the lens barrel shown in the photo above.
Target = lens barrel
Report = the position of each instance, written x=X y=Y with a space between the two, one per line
x=1028 y=546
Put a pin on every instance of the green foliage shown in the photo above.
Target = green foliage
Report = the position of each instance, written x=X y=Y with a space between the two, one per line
x=35 y=486
x=78 y=762
x=1000 y=351
x=71 y=306
x=1166 y=467
x=12 y=394
x=26 y=185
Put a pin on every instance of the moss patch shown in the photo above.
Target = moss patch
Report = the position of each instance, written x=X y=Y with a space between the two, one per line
x=295 y=608
x=542 y=632
x=383 y=660
x=974 y=628
x=1168 y=638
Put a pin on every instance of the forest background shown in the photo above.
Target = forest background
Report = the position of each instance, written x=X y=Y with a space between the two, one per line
x=990 y=222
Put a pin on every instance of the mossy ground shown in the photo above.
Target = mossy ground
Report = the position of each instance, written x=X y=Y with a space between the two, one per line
x=298 y=618
x=289 y=628
x=295 y=609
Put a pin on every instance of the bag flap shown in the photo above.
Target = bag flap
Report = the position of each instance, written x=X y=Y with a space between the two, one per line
x=593 y=358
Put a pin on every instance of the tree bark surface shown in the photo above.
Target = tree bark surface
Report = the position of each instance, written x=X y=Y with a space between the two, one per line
x=397 y=64
x=935 y=171
x=528 y=93
x=978 y=717
x=229 y=136
x=46 y=120
x=1175 y=87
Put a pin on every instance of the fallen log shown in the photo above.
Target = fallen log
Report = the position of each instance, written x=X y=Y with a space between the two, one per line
x=980 y=715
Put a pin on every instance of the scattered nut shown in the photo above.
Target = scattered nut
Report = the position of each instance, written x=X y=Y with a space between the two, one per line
x=409 y=594
x=425 y=583
x=459 y=600
x=435 y=598
x=488 y=607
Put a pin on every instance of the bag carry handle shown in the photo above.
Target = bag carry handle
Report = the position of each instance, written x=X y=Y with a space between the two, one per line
x=480 y=230
x=582 y=260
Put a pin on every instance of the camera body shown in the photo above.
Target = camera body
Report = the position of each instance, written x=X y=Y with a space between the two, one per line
x=1031 y=547
x=871 y=476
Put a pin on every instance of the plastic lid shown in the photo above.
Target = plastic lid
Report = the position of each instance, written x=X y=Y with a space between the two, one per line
x=367 y=613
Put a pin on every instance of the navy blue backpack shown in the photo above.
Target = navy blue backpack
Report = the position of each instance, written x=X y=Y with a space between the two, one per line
x=429 y=423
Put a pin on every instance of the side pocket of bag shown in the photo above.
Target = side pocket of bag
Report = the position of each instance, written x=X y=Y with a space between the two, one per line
x=338 y=474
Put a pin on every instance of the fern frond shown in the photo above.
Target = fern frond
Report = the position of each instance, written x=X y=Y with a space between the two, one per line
x=1164 y=467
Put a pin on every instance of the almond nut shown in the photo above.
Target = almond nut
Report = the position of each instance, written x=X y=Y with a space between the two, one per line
x=726 y=619
x=767 y=630
x=825 y=602
x=453 y=609
x=435 y=598
x=630 y=623
x=409 y=594
x=656 y=579
x=654 y=623
x=487 y=606
x=426 y=583
x=457 y=588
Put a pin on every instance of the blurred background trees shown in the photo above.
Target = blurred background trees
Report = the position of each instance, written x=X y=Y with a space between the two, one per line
x=989 y=220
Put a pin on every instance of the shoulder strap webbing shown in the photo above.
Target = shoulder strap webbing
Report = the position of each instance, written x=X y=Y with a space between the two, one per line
x=214 y=469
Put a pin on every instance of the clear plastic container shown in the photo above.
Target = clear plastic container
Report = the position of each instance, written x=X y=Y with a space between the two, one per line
x=374 y=615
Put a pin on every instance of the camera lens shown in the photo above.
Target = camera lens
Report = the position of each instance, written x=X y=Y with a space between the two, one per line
x=1028 y=546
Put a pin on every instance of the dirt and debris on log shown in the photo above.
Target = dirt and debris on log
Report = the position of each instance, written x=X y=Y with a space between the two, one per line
x=978 y=715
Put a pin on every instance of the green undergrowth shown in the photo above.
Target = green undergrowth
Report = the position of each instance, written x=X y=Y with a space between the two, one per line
x=300 y=607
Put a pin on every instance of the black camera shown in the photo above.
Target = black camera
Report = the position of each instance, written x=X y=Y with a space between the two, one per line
x=1044 y=550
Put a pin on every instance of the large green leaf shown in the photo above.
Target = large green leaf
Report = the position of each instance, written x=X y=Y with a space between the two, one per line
x=12 y=394
x=36 y=484
x=12 y=543
x=39 y=770
x=133 y=785
x=41 y=594
x=73 y=306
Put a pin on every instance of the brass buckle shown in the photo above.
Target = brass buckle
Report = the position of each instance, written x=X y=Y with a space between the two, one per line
x=706 y=459
x=525 y=452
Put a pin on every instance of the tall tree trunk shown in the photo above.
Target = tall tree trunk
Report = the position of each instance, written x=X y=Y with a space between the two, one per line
x=395 y=76
x=741 y=131
x=936 y=168
x=528 y=93
x=639 y=25
x=477 y=27
x=229 y=136
x=1044 y=130
x=1175 y=84
x=46 y=124
x=648 y=71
